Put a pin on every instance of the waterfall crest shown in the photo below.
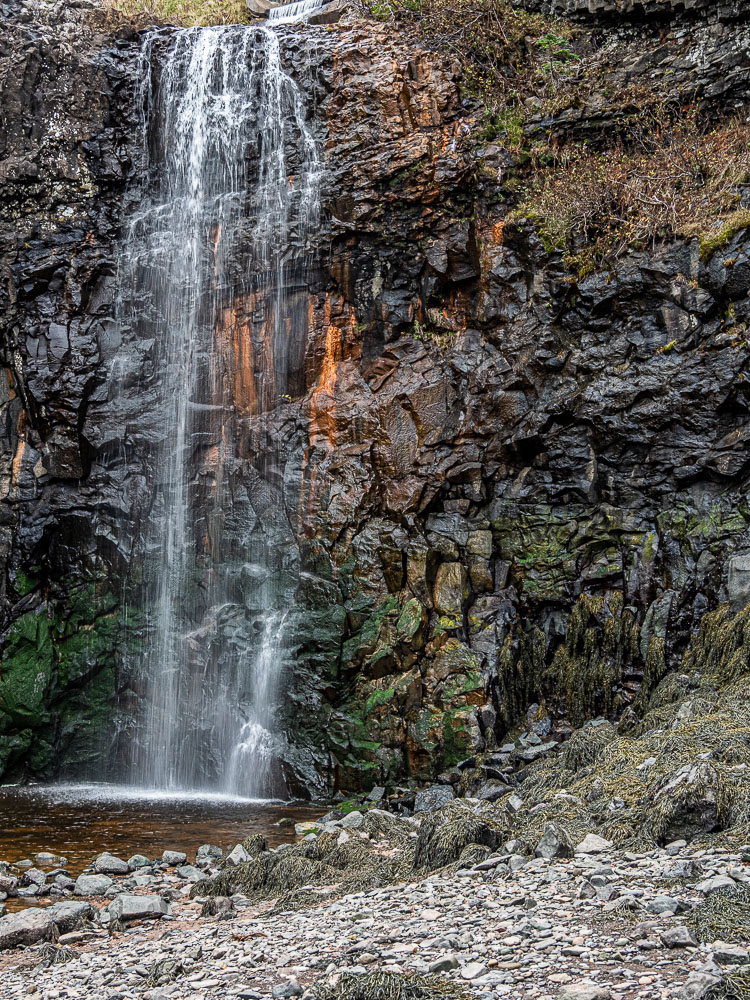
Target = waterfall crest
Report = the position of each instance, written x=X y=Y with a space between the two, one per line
x=231 y=177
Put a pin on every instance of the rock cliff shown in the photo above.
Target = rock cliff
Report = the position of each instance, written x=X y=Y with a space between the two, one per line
x=513 y=481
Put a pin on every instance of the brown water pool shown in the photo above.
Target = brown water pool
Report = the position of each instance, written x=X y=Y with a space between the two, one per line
x=80 y=821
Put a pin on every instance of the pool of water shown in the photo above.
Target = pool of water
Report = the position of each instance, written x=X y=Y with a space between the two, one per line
x=80 y=821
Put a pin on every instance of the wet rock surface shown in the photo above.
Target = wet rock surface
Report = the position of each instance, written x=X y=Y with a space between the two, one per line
x=508 y=485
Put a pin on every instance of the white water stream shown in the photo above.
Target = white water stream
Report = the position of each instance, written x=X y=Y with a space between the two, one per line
x=224 y=216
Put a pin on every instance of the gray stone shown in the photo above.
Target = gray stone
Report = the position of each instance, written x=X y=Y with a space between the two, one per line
x=129 y=907
x=108 y=864
x=209 y=851
x=174 y=858
x=8 y=884
x=353 y=820
x=431 y=799
x=554 y=843
x=663 y=904
x=532 y=753
x=92 y=885
x=138 y=861
x=678 y=937
x=730 y=954
x=190 y=872
x=27 y=927
x=444 y=964
x=289 y=989
x=34 y=877
x=237 y=856
x=69 y=913
x=473 y=970
x=697 y=985
x=583 y=990
x=491 y=791
x=46 y=859
x=593 y=844
x=377 y=794
x=709 y=885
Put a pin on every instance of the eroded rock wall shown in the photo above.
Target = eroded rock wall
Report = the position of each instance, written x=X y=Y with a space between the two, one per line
x=509 y=485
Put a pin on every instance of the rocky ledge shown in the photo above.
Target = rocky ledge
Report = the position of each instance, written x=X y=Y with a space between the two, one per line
x=375 y=905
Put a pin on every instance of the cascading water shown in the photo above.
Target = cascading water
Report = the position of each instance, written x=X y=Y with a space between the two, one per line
x=298 y=11
x=209 y=258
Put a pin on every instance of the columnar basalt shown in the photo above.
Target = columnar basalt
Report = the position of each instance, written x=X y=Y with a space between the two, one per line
x=517 y=483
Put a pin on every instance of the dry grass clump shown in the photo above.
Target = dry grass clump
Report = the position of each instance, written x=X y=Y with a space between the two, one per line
x=669 y=180
x=388 y=986
x=181 y=13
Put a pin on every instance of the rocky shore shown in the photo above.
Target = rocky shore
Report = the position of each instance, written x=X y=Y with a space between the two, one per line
x=422 y=895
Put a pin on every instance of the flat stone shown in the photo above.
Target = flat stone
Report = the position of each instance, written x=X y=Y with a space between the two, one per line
x=583 y=990
x=730 y=954
x=92 y=885
x=129 y=907
x=26 y=927
x=473 y=970
x=191 y=873
x=663 y=904
x=444 y=964
x=530 y=754
x=709 y=885
x=593 y=844
x=431 y=799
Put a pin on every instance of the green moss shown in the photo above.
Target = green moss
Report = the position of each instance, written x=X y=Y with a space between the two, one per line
x=377 y=698
x=716 y=239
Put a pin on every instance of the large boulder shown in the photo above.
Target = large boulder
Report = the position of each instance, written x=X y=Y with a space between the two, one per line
x=69 y=913
x=554 y=843
x=108 y=864
x=129 y=907
x=27 y=927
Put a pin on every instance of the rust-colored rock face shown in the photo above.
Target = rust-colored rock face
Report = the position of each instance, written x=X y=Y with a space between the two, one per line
x=466 y=437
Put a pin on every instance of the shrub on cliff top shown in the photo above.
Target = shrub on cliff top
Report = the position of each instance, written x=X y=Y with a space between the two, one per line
x=669 y=179
x=495 y=43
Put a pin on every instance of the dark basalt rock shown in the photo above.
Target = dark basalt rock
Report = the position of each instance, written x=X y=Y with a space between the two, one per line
x=473 y=438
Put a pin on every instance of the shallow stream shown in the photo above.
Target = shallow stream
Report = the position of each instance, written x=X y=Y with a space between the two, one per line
x=79 y=822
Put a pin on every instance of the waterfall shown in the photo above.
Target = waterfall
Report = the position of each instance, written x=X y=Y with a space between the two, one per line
x=298 y=11
x=206 y=281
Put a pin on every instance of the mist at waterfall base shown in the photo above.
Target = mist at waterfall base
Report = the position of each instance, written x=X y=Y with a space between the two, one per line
x=212 y=301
